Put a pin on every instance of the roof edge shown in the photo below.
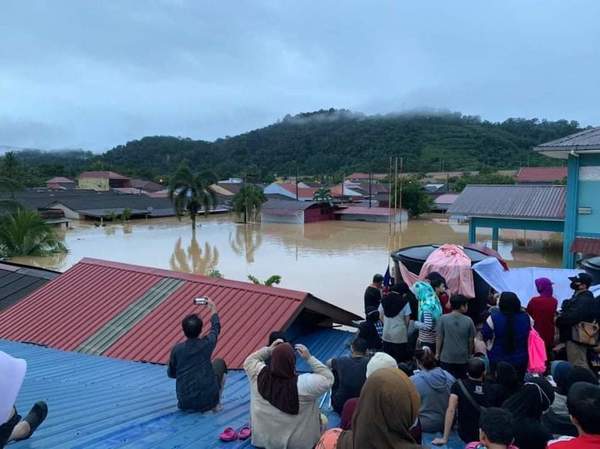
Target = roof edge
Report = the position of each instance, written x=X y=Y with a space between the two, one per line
x=292 y=294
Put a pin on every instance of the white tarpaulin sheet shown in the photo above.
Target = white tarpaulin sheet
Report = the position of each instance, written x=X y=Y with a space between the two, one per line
x=12 y=372
x=522 y=280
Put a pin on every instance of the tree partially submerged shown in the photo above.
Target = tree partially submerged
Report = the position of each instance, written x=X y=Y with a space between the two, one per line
x=191 y=193
x=248 y=202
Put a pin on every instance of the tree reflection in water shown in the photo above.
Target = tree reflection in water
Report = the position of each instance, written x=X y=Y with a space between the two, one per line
x=248 y=238
x=194 y=259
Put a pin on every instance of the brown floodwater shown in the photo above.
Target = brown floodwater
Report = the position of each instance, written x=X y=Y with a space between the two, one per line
x=333 y=260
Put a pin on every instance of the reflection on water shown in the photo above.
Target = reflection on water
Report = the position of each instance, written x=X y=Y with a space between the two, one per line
x=333 y=260
x=246 y=241
x=194 y=259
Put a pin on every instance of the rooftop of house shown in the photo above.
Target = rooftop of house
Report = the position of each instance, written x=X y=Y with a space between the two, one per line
x=446 y=198
x=581 y=142
x=60 y=180
x=132 y=312
x=100 y=402
x=148 y=186
x=541 y=174
x=511 y=201
x=81 y=200
x=287 y=205
x=102 y=174
x=18 y=281
x=365 y=176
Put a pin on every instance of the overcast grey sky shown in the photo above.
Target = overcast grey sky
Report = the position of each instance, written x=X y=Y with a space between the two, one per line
x=95 y=74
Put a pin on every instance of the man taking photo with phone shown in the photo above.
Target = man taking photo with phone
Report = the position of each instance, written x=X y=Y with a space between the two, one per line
x=199 y=381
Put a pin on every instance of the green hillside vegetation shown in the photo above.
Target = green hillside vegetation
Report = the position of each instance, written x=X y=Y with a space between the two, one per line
x=331 y=142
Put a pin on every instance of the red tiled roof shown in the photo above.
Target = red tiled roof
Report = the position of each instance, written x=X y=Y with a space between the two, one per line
x=102 y=308
x=541 y=174
x=586 y=246
x=102 y=174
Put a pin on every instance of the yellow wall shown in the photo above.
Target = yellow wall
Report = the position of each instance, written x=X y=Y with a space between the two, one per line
x=100 y=184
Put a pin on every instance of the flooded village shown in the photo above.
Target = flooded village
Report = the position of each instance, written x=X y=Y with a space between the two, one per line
x=299 y=225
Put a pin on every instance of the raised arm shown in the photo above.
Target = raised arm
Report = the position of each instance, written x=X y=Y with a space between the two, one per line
x=319 y=381
x=215 y=325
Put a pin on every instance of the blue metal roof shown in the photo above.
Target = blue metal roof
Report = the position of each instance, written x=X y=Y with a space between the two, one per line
x=99 y=403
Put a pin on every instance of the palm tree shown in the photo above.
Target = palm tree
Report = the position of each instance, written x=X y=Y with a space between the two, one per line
x=24 y=233
x=192 y=193
x=248 y=201
x=323 y=195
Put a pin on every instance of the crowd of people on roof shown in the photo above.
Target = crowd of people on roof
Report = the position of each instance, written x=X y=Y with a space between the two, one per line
x=421 y=373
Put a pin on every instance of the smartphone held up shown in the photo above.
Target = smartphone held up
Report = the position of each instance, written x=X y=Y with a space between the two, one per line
x=201 y=301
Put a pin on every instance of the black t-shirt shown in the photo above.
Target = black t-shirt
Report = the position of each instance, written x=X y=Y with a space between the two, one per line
x=468 y=415
x=350 y=375
x=372 y=299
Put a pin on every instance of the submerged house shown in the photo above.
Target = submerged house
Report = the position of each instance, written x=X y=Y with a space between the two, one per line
x=541 y=175
x=102 y=332
x=295 y=212
x=581 y=151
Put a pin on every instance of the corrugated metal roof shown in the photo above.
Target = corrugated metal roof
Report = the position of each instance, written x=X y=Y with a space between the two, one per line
x=101 y=403
x=541 y=174
x=287 y=205
x=588 y=139
x=16 y=282
x=129 y=312
x=586 y=246
x=511 y=201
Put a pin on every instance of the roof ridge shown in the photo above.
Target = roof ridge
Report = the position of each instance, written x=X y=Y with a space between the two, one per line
x=296 y=295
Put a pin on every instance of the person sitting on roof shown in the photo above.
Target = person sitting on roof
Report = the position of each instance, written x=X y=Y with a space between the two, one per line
x=200 y=382
x=583 y=403
x=495 y=430
x=368 y=330
x=284 y=407
x=349 y=374
x=387 y=409
x=12 y=427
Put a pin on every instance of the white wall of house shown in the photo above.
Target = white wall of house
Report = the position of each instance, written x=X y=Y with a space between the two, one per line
x=276 y=189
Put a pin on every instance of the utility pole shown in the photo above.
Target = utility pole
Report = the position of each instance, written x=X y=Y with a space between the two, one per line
x=370 y=190
x=297 y=190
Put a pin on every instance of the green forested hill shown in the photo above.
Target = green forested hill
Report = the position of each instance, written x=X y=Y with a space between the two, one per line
x=333 y=141
x=328 y=142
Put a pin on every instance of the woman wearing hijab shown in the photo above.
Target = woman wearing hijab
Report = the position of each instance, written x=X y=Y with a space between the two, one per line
x=430 y=311
x=507 y=331
x=527 y=407
x=387 y=408
x=542 y=310
x=395 y=311
x=284 y=406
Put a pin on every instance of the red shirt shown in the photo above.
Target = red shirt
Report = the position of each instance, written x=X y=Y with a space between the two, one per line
x=543 y=309
x=445 y=302
x=582 y=442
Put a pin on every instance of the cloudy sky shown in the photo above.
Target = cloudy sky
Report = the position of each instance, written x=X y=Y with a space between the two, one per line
x=94 y=74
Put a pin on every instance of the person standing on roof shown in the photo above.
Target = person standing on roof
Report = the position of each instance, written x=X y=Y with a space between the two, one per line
x=430 y=311
x=580 y=310
x=542 y=310
x=438 y=283
x=373 y=294
x=199 y=381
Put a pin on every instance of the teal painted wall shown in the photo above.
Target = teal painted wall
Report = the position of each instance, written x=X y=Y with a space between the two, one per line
x=589 y=196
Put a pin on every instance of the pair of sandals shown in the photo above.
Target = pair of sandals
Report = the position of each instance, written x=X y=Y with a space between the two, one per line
x=230 y=434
